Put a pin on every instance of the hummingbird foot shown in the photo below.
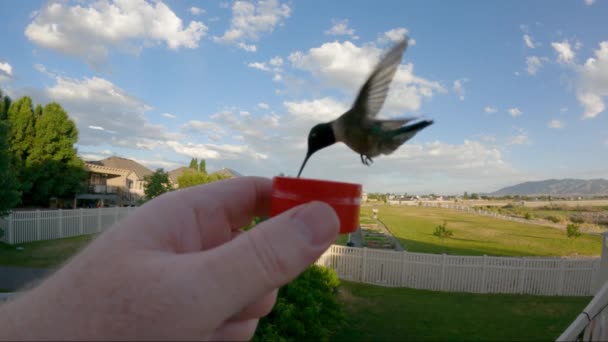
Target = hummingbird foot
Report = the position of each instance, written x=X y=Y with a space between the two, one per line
x=366 y=160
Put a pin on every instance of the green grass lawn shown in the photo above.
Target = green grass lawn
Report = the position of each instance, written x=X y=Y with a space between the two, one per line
x=375 y=313
x=479 y=235
x=42 y=253
x=342 y=239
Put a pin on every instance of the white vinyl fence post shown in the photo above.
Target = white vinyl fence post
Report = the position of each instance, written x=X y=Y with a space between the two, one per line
x=364 y=265
x=443 y=262
x=37 y=225
x=403 y=263
x=11 y=229
x=99 y=219
x=562 y=277
x=522 y=275
x=484 y=275
x=60 y=223
x=601 y=275
x=81 y=223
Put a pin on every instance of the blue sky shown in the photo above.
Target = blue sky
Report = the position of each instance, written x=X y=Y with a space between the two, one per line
x=517 y=89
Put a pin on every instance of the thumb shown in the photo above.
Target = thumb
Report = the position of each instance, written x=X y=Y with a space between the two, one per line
x=268 y=256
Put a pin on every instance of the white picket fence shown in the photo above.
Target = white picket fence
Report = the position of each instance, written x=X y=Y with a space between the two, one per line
x=474 y=274
x=38 y=225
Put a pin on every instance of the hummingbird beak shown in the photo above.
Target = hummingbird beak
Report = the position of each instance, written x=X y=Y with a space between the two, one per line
x=308 y=154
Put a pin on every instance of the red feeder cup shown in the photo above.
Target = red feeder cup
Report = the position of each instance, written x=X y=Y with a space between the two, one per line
x=345 y=198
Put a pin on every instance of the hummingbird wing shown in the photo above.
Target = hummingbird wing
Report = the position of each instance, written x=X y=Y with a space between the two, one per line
x=373 y=93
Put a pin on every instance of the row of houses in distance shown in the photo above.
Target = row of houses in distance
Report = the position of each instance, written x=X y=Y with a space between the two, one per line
x=117 y=181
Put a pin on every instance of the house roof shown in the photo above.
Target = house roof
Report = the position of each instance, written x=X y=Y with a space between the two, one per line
x=124 y=163
x=96 y=168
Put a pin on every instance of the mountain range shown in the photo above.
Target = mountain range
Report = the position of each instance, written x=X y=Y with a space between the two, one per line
x=567 y=187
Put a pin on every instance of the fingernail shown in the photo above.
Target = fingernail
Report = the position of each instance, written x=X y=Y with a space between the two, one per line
x=317 y=223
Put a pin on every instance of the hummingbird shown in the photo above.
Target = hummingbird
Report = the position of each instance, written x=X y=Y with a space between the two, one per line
x=358 y=128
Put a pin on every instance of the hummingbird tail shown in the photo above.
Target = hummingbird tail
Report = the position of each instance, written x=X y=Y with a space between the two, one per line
x=415 y=127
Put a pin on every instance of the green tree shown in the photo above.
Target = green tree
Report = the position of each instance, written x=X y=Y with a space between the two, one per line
x=194 y=164
x=9 y=194
x=442 y=230
x=22 y=129
x=202 y=167
x=156 y=184
x=191 y=178
x=52 y=166
x=573 y=230
x=5 y=104
x=38 y=112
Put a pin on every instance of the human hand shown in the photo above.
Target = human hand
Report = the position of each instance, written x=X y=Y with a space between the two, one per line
x=178 y=268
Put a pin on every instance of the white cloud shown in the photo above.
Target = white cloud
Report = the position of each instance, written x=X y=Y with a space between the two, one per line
x=555 y=124
x=490 y=109
x=459 y=88
x=276 y=61
x=247 y=47
x=515 y=111
x=89 y=32
x=564 y=51
x=196 y=10
x=340 y=28
x=105 y=114
x=518 y=140
x=263 y=105
x=563 y=109
x=589 y=2
x=169 y=116
x=273 y=65
x=250 y=20
x=346 y=66
x=317 y=110
x=259 y=65
x=197 y=126
x=534 y=64
x=528 y=41
x=592 y=103
x=395 y=35
x=593 y=86
x=6 y=71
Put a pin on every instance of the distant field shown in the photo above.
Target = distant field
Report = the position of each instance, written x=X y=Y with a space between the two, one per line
x=375 y=313
x=568 y=203
x=479 y=235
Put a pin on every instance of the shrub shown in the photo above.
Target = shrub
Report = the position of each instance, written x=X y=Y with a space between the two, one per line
x=577 y=219
x=553 y=219
x=442 y=230
x=307 y=309
x=573 y=230
x=528 y=216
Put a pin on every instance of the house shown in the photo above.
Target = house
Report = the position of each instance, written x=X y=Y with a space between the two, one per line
x=113 y=181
